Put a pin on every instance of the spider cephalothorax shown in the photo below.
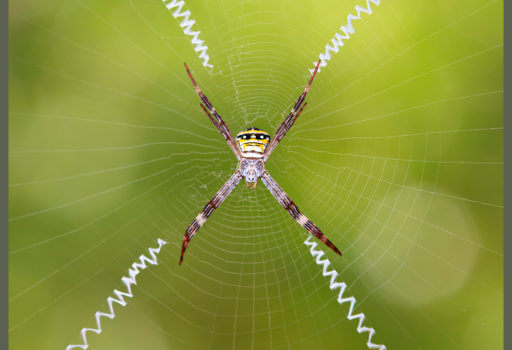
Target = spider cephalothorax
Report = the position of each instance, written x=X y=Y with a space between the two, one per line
x=252 y=149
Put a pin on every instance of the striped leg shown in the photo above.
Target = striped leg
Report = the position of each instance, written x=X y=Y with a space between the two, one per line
x=288 y=204
x=216 y=119
x=217 y=200
x=290 y=119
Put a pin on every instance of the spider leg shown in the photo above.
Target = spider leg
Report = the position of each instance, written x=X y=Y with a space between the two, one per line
x=216 y=119
x=288 y=204
x=290 y=119
x=217 y=200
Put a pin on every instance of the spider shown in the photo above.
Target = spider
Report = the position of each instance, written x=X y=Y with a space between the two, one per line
x=252 y=148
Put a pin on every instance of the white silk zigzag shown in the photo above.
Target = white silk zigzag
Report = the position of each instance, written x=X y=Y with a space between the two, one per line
x=186 y=24
x=128 y=281
x=333 y=285
x=347 y=31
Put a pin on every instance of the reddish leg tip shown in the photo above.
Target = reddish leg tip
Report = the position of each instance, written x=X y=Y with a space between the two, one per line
x=183 y=248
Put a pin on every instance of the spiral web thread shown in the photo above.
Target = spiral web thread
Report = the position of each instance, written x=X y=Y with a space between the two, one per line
x=347 y=31
x=341 y=300
x=337 y=43
x=186 y=25
x=128 y=281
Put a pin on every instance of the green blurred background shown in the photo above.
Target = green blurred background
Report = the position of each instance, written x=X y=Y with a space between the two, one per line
x=398 y=158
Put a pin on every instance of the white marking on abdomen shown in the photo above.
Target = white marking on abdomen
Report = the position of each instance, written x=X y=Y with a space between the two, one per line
x=252 y=154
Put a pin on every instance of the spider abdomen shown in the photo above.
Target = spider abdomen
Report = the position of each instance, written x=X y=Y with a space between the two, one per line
x=252 y=142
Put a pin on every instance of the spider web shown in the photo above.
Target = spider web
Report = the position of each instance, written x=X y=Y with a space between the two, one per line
x=397 y=158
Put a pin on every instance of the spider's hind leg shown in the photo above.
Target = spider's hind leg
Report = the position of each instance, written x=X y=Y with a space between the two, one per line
x=213 y=204
x=292 y=209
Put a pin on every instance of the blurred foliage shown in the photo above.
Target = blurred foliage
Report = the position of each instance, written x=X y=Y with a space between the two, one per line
x=398 y=158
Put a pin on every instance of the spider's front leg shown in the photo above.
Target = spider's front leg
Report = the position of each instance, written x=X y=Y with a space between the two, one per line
x=208 y=209
x=290 y=119
x=288 y=204
x=216 y=119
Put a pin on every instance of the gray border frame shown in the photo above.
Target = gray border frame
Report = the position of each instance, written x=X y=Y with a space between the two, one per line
x=507 y=247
